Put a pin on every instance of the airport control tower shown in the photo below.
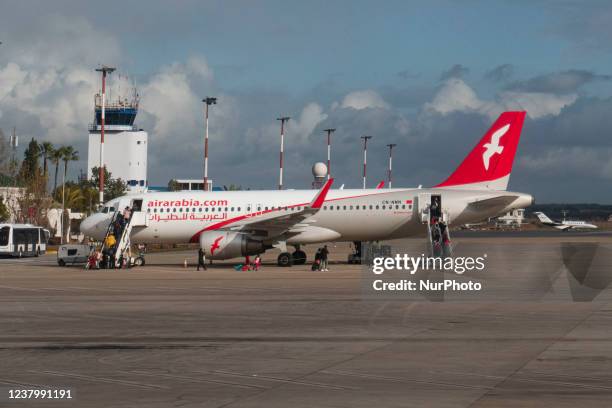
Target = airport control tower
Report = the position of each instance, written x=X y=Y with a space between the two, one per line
x=125 y=146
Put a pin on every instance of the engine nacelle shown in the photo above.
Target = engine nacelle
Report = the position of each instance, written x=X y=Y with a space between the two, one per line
x=226 y=245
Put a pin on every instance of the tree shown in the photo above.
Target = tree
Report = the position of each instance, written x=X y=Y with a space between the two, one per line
x=56 y=156
x=5 y=215
x=29 y=165
x=68 y=155
x=5 y=154
x=113 y=188
x=46 y=148
x=174 y=185
x=33 y=204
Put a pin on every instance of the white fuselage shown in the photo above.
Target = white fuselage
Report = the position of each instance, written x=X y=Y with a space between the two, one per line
x=565 y=225
x=346 y=215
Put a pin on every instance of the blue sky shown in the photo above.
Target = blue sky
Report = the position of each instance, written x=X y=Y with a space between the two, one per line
x=420 y=74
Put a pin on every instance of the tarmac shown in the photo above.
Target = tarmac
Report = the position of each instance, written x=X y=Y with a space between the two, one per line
x=168 y=336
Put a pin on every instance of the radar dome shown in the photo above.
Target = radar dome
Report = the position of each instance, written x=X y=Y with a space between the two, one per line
x=319 y=170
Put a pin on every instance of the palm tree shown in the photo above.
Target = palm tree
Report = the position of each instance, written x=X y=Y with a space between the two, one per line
x=56 y=156
x=46 y=149
x=68 y=155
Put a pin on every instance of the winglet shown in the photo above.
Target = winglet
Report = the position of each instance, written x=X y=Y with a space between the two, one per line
x=317 y=202
x=380 y=185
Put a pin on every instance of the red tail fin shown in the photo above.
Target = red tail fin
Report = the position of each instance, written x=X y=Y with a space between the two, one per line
x=489 y=164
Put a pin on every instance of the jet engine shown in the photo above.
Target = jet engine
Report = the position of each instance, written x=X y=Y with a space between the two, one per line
x=226 y=245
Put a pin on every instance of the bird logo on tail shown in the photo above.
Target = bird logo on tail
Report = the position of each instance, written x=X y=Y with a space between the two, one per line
x=493 y=147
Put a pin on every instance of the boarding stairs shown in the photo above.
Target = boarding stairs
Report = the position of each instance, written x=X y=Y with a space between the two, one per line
x=123 y=243
x=441 y=247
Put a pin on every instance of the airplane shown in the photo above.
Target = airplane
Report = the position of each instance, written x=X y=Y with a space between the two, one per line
x=232 y=224
x=564 y=225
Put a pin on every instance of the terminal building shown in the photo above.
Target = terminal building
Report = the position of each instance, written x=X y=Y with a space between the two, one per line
x=125 y=146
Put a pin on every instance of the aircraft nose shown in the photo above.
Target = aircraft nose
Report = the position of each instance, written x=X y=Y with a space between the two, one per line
x=87 y=225
x=93 y=227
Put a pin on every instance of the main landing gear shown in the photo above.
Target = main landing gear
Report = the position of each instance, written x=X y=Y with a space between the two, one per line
x=298 y=257
x=285 y=259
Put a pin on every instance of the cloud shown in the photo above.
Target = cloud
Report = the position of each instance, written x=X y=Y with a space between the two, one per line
x=558 y=82
x=363 y=100
x=500 y=73
x=456 y=71
x=537 y=104
x=456 y=96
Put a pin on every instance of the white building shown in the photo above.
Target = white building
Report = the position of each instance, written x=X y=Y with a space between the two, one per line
x=125 y=146
x=192 y=184
x=513 y=218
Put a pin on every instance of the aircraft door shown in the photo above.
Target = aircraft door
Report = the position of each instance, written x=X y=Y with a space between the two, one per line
x=139 y=218
x=435 y=206
x=423 y=202
x=137 y=205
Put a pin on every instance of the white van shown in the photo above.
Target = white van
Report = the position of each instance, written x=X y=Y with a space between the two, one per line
x=71 y=254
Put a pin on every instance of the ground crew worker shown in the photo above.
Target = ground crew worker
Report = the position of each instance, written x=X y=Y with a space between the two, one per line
x=201 y=259
x=324 y=255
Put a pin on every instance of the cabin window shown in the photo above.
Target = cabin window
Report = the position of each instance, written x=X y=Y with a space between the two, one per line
x=180 y=210
x=232 y=209
x=174 y=210
x=351 y=207
x=238 y=208
x=377 y=207
x=383 y=207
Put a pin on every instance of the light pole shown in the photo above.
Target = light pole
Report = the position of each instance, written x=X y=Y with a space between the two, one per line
x=390 y=146
x=63 y=206
x=283 y=120
x=207 y=101
x=329 y=132
x=105 y=70
x=365 y=157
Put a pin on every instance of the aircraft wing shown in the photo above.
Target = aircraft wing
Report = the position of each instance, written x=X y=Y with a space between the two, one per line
x=272 y=225
x=495 y=202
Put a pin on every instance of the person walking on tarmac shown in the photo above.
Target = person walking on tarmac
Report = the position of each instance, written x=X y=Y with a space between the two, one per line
x=324 y=255
x=201 y=259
